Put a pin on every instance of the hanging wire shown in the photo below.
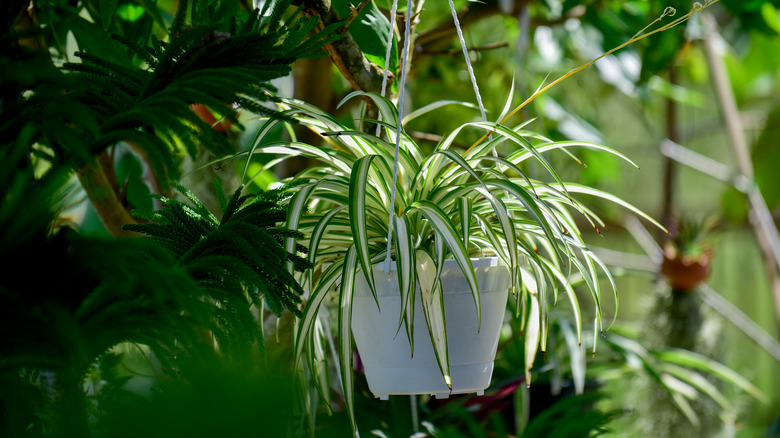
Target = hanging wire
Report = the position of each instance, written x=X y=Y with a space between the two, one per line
x=388 y=52
x=399 y=129
x=468 y=61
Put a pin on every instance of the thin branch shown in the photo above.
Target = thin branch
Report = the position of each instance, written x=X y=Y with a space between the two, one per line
x=454 y=52
x=739 y=319
x=433 y=39
x=763 y=224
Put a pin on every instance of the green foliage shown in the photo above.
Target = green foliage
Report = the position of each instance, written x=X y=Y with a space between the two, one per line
x=209 y=399
x=215 y=60
x=241 y=254
x=65 y=299
x=572 y=416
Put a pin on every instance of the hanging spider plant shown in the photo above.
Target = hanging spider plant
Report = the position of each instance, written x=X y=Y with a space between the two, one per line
x=446 y=205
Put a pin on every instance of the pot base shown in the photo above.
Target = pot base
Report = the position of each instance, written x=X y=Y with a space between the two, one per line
x=406 y=381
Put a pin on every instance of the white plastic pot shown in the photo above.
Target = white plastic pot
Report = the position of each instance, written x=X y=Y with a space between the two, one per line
x=387 y=360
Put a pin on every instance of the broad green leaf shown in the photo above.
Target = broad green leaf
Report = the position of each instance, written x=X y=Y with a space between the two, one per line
x=766 y=158
x=107 y=8
x=771 y=16
x=130 y=12
x=371 y=30
x=91 y=39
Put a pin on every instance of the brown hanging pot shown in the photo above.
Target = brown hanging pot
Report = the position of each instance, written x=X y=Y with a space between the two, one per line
x=684 y=272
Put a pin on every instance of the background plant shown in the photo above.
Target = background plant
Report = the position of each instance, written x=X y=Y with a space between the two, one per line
x=186 y=298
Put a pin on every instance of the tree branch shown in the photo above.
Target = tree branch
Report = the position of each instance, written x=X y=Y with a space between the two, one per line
x=453 y=52
x=440 y=36
x=345 y=53
x=101 y=193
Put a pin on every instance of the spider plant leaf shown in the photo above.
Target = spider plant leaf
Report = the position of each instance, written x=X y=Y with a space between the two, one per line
x=294 y=211
x=702 y=363
x=386 y=107
x=320 y=370
x=465 y=208
x=532 y=206
x=445 y=230
x=345 y=330
x=521 y=141
x=434 y=106
x=340 y=162
x=316 y=236
x=593 y=258
x=578 y=188
x=492 y=237
x=438 y=244
x=358 y=183
x=319 y=231
x=699 y=382
x=575 y=304
x=508 y=104
x=508 y=229
x=500 y=210
x=257 y=139
x=405 y=262
x=325 y=282
x=576 y=355
x=522 y=155
x=433 y=307
x=531 y=336
x=511 y=166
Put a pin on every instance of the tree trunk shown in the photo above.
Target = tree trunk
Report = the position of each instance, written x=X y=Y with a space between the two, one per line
x=95 y=177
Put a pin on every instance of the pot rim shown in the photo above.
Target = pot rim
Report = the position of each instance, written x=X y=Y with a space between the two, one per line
x=476 y=262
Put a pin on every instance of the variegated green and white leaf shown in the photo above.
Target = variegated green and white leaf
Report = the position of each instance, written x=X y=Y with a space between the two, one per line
x=433 y=307
x=446 y=231
x=405 y=260
x=346 y=293
x=357 y=216
x=531 y=336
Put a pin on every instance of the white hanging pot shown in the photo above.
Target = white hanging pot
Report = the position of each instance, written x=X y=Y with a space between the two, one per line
x=385 y=351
